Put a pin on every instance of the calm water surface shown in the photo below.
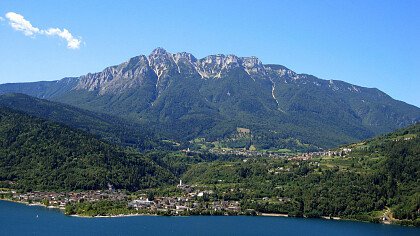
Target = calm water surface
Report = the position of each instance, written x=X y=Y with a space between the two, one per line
x=19 y=219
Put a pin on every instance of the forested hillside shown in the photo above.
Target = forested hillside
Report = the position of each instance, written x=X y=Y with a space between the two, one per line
x=377 y=175
x=106 y=127
x=36 y=154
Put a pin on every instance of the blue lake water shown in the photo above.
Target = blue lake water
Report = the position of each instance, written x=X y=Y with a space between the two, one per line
x=19 y=219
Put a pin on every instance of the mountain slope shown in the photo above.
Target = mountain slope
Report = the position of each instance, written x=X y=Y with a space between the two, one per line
x=187 y=98
x=42 y=89
x=109 y=128
x=398 y=171
x=41 y=155
x=376 y=178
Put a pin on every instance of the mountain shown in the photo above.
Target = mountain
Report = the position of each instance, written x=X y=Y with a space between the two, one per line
x=185 y=98
x=37 y=154
x=106 y=127
x=42 y=89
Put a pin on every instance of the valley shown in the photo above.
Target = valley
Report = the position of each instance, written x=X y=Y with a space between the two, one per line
x=243 y=137
x=361 y=181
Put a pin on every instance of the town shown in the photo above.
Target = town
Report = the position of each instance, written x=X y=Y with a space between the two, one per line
x=300 y=156
x=191 y=202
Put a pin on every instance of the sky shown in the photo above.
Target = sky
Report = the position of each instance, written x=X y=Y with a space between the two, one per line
x=363 y=42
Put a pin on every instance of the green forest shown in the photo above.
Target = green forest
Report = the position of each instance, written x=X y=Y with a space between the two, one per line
x=36 y=154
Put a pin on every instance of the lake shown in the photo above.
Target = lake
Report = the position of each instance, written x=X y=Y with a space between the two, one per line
x=19 y=219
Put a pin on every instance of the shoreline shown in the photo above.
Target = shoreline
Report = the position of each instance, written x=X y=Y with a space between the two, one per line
x=143 y=214
x=33 y=204
x=112 y=216
x=286 y=215
x=274 y=215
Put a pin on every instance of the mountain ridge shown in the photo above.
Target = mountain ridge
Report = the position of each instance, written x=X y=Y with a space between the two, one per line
x=207 y=67
x=110 y=128
x=210 y=97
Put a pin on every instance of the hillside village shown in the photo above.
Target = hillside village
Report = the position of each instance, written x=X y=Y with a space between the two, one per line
x=193 y=199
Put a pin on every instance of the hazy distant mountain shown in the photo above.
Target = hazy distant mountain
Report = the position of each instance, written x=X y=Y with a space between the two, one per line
x=187 y=98
x=42 y=89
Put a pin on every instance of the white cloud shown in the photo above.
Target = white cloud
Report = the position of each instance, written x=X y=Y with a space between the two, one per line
x=72 y=42
x=19 y=23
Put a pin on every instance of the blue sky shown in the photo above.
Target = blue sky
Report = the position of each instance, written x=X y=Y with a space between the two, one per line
x=368 y=43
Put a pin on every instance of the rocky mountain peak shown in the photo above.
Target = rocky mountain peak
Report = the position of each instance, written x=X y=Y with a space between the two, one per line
x=211 y=66
x=162 y=65
x=232 y=61
x=253 y=66
x=214 y=66
x=281 y=71
x=162 y=62
x=159 y=51
x=186 y=63
x=184 y=56
x=133 y=64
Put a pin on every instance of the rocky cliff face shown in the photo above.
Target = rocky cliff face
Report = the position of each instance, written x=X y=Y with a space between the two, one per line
x=116 y=79
x=160 y=65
